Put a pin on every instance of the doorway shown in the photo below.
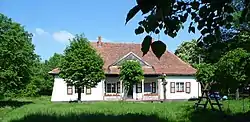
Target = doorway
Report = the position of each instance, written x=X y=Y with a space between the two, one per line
x=130 y=92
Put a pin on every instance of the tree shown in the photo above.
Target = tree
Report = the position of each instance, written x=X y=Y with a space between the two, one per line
x=54 y=61
x=189 y=52
x=81 y=65
x=231 y=70
x=41 y=82
x=17 y=56
x=130 y=73
x=170 y=15
x=205 y=74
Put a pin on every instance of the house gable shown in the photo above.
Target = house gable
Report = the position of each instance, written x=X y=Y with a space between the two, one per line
x=130 y=56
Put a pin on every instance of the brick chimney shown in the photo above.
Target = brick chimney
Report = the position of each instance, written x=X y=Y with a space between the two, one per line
x=99 y=41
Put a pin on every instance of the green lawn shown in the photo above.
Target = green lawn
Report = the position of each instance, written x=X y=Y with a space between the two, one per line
x=42 y=110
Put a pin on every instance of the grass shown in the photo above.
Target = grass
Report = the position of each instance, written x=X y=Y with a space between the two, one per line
x=42 y=110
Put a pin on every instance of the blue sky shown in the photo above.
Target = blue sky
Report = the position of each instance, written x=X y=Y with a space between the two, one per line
x=53 y=22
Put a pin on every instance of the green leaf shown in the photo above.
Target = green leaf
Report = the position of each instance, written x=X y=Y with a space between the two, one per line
x=161 y=26
x=145 y=5
x=146 y=44
x=200 y=44
x=189 y=10
x=196 y=19
x=157 y=31
x=229 y=18
x=202 y=11
x=204 y=31
x=139 y=30
x=195 y=5
x=182 y=18
x=228 y=8
x=191 y=28
x=228 y=26
x=186 y=16
x=193 y=14
x=171 y=34
x=132 y=12
x=166 y=32
x=158 y=48
x=199 y=27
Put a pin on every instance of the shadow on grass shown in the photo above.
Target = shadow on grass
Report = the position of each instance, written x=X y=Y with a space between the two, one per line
x=207 y=115
x=13 y=103
x=91 y=118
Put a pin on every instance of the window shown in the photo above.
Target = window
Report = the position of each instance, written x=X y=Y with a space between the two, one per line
x=153 y=87
x=150 y=87
x=88 y=91
x=111 y=88
x=172 y=87
x=179 y=86
x=69 y=89
x=76 y=89
x=147 y=87
x=188 y=85
x=138 y=87
x=118 y=87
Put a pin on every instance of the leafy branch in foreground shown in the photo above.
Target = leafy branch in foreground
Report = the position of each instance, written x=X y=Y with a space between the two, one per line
x=169 y=16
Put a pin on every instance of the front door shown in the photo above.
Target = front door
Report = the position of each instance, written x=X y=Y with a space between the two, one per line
x=130 y=93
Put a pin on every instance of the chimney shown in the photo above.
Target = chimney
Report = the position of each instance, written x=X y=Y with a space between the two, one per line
x=99 y=42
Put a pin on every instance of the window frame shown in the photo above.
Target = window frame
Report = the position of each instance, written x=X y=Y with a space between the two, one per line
x=153 y=87
x=106 y=87
x=88 y=93
x=188 y=87
x=118 y=87
x=172 y=87
x=139 y=86
x=69 y=88
x=180 y=89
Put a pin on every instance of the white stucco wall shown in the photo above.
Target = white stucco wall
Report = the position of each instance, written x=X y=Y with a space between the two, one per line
x=195 y=88
x=97 y=93
x=59 y=92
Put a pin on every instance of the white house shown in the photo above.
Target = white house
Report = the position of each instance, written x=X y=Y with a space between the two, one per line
x=181 y=83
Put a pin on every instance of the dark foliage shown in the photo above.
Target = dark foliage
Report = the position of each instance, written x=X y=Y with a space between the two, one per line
x=13 y=103
x=207 y=16
x=207 y=115
x=97 y=117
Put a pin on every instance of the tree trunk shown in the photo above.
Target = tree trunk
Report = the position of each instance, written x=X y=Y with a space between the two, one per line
x=237 y=94
x=125 y=90
x=79 y=94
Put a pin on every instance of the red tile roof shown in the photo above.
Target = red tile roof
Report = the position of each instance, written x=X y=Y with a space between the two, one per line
x=168 y=64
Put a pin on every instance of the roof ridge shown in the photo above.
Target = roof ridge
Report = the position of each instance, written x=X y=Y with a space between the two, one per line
x=127 y=43
x=118 y=42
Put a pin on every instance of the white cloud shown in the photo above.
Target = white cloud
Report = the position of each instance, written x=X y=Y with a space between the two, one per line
x=40 y=31
x=62 y=36
x=106 y=40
